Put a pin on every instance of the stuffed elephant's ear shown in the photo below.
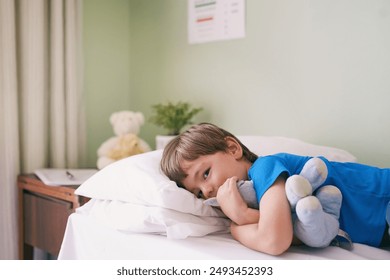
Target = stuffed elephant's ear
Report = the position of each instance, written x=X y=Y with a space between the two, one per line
x=248 y=193
x=211 y=201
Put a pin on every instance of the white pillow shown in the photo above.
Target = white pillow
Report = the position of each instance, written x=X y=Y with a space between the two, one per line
x=139 y=180
x=129 y=217
x=266 y=145
x=137 y=185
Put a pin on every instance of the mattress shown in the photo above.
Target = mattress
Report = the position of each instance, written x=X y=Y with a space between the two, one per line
x=87 y=239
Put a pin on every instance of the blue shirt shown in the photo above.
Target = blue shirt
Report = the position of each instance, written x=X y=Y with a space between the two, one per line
x=365 y=190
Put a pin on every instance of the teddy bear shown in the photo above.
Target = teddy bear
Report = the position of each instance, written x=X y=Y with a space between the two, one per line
x=126 y=126
x=315 y=211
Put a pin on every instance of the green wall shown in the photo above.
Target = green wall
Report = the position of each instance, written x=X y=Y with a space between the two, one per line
x=314 y=70
x=106 y=67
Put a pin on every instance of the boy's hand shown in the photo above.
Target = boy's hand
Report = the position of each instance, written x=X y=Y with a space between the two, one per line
x=230 y=200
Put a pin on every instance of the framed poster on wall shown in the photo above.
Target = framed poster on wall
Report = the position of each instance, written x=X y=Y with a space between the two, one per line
x=215 y=20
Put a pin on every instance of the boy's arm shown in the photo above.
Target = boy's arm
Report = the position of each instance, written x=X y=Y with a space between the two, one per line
x=273 y=232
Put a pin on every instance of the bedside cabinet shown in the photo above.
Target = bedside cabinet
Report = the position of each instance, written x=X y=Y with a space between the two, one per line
x=43 y=214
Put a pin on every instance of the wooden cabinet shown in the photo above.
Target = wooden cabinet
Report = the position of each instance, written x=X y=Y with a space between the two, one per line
x=43 y=214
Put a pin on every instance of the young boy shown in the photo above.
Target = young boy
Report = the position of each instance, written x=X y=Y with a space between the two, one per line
x=208 y=161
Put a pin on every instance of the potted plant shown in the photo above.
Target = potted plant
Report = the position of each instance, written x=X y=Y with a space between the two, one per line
x=172 y=117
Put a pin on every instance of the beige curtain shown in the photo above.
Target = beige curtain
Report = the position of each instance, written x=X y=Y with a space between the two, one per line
x=41 y=116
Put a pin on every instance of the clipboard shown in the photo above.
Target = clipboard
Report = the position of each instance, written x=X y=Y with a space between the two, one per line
x=64 y=177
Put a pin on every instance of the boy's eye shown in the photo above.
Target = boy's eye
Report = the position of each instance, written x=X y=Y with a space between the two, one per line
x=206 y=173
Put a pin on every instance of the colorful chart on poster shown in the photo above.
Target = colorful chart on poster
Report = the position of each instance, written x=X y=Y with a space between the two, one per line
x=214 y=20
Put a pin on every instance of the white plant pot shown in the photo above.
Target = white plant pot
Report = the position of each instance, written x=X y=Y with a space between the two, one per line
x=163 y=140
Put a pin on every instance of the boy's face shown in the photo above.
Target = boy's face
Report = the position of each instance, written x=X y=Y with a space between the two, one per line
x=207 y=173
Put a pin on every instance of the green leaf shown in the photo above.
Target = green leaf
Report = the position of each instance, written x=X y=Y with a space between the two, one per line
x=173 y=117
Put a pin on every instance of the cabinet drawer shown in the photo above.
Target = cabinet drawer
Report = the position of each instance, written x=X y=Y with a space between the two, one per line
x=45 y=221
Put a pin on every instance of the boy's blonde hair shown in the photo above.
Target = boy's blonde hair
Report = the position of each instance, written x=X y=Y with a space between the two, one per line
x=199 y=140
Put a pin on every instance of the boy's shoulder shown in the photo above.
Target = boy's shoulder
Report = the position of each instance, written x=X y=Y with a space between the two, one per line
x=277 y=162
x=283 y=156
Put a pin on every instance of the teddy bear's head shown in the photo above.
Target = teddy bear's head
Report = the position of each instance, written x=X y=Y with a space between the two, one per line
x=124 y=122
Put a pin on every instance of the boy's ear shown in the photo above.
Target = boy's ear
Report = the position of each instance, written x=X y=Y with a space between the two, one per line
x=234 y=147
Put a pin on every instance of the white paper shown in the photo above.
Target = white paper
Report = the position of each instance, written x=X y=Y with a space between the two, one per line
x=213 y=20
x=59 y=176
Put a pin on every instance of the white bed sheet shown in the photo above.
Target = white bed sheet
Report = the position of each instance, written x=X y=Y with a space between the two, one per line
x=86 y=239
